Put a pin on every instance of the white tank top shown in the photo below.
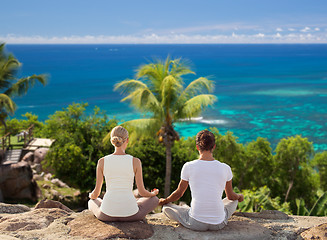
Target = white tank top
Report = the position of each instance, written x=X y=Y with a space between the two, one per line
x=119 y=200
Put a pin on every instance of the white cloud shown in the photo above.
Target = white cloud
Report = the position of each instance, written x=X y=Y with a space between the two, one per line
x=291 y=29
x=316 y=37
x=279 y=29
x=277 y=35
x=317 y=29
x=260 y=35
x=207 y=28
x=306 y=29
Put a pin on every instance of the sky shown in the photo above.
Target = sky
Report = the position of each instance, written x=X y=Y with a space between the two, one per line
x=153 y=21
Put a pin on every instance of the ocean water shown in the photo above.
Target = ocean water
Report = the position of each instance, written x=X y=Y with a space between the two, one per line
x=272 y=91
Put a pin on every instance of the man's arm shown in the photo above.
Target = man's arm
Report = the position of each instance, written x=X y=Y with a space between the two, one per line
x=177 y=194
x=231 y=195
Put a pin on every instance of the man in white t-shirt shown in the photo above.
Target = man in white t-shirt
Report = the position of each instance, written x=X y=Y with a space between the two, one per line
x=208 y=178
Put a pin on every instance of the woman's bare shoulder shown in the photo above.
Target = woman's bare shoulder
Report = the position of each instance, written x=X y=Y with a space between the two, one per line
x=101 y=162
x=136 y=161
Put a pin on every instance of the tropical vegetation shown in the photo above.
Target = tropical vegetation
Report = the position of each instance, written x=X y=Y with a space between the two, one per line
x=10 y=85
x=259 y=170
x=158 y=92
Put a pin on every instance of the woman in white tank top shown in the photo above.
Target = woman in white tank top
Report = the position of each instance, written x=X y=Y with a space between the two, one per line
x=119 y=170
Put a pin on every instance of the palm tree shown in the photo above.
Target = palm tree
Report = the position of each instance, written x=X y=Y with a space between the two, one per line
x=158 y=92
x=10 y=86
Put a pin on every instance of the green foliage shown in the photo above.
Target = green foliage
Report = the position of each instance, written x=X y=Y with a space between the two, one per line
x=293 y=175
x=152 y=154
x=78 y=145
x=301 y=209
x=231 y=152
x=320 y=162
x=258 y=164
x=256 y=200
x=14 y=126
x=318 y=209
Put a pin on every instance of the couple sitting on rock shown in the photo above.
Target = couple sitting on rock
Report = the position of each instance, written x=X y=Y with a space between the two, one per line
x=207 y=177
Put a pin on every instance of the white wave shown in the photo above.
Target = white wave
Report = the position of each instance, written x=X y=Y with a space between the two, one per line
x=205 y=121
x=191 y=119
x=214 y=122
x=28 y=106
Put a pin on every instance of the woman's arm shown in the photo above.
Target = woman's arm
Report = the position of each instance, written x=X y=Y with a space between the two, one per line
x=177 y=194
x=96 y=192
x=231 y=195
x=137 y=165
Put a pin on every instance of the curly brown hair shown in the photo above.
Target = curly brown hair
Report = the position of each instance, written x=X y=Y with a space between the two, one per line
x=205 y=140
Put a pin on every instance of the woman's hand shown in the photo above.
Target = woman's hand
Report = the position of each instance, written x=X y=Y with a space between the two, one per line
x=92 y=195
x=155 y=192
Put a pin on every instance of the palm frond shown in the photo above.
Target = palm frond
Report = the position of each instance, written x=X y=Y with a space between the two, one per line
x=194 y=106
x=167 y=63
x=179 y=68
x=129 y=85
x=170 y=90
x=8 y=68
x=2 y=46
x=139 y=95
x=199 y=86
x=3 y=54
x=7 y=104
x=152 y=74
x=149 y=70
x=22 y=85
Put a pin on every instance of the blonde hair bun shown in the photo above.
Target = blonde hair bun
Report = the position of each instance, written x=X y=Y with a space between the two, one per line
x=117 y=141
x=118 y=136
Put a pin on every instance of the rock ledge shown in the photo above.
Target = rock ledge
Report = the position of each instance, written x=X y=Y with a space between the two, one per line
x=52 y=220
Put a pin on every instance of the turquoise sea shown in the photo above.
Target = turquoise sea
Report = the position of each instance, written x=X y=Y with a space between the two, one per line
x=272 y=91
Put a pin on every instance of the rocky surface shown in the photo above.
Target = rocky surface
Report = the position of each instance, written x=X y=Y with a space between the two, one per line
x=28 y=157
x=56 y=223
x=318 y=232
x=87 y=226
x=59 y=183
x=31 y=220
x=13 y=208
x=241 y=227
x=39 y=154
x=16 y=182
x=52 y=204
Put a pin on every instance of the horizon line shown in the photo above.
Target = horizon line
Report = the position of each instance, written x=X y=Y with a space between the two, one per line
x=258 y=38
x=163 y=43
